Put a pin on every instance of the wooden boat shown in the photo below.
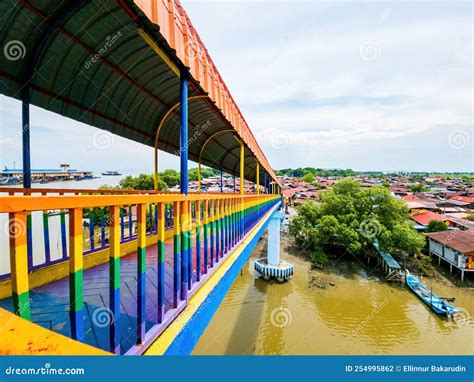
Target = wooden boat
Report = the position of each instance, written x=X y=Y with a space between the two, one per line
x=438 y=305
x=111 y=173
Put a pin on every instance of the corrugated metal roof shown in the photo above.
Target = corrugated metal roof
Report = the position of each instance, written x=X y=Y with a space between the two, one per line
x=86 y=60
x=461 y=241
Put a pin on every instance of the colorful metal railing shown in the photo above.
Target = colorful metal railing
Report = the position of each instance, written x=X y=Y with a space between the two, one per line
x=205 y=229
x=97 y=239
x=95 y=220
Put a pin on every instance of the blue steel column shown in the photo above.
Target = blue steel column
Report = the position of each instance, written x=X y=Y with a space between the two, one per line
x=184 y=132
x=221 y=180
x=184 y=255
x=25 y=136
x=26 y=144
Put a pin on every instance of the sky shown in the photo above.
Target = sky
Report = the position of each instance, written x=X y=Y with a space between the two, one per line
x=374 y=85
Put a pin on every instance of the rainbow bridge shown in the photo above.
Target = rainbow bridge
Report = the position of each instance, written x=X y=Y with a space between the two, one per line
x=117 y=271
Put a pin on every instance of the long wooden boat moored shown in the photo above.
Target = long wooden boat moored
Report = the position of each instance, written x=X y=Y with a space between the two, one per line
x=437 y=304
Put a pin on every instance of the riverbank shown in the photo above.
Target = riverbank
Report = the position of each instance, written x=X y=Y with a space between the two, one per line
x=343 y=308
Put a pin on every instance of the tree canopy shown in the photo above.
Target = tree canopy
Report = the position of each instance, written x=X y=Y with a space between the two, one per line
x=300 y=172
x=308 y=178
x=350 y=219
x=142 y=182
x=436 y=226
x=205 y=173
x=418 y=187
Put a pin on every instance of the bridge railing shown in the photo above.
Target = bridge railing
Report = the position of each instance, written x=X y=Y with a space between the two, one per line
x=205 y=228
x=47 y=229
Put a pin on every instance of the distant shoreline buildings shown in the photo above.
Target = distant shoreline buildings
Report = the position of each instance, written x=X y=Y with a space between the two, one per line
x=64 y=172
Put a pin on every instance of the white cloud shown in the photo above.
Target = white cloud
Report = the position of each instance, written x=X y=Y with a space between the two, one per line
x=296 y=70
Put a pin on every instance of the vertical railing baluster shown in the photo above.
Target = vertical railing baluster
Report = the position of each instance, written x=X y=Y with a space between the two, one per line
x=184 y=248
x=226 y=243
x=176 y=253
x=190 y=248
x=76 y=274
x=122 y=224
x=221 y=229
x=91 y=229
x=17 y=224
x=211 y=232
x=47 y=248
x=234 y=241
x=242 y=220
x=217 y=230
x=62 y=220
x=102 y=227
x=206 y=233
x=150 y=217
x=114 y=277
x=141 y=271
x=155 y=225
x=130 y=222
x=198 y=240
x=29 y=240
x=161 y=261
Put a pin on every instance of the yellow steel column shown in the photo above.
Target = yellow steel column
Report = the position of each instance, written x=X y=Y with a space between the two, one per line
x=258 y=178
x=241 y=209
x=242 y=151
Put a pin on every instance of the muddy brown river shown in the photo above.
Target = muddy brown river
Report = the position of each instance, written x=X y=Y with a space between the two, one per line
x=356 y=313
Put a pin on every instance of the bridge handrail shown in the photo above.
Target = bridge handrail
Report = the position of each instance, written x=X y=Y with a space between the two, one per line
x=28 y=191
x=25 y=203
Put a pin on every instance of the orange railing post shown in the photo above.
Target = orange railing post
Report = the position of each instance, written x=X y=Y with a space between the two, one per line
x=19 y=264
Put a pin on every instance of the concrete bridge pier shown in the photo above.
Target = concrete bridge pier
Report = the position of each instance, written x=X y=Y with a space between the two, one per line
x=272 y=267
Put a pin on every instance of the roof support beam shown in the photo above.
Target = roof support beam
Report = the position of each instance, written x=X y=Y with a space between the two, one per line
x=215 y=135
x=157 y=134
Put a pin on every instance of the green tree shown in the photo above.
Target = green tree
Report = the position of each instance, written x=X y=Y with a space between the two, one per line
x=142 y=182
x=205 y=173
x=170 y=177
x=350 y=219
x=470 y=216
x=419 y=187
x=436 y=226
x=308 y=178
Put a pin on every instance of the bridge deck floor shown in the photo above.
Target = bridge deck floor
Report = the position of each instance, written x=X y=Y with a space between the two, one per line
x=50 y=303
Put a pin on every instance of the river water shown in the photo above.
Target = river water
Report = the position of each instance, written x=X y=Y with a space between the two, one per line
x=359 y=314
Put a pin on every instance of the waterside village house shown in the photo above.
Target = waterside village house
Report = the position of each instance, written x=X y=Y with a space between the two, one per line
x=456 y=247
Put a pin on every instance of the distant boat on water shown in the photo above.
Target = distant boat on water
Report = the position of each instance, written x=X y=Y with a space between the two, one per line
x=437 y=304
x=111 y=173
